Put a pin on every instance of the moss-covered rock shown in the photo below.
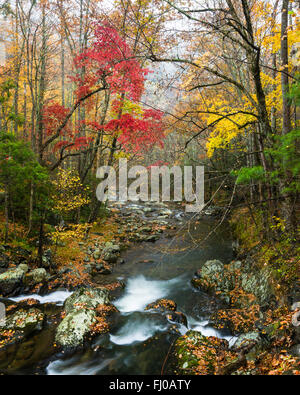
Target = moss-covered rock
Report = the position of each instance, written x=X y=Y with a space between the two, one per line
x=36 y=276
x=86 y=298
x=83 y=317
x=12 y=279
x=74 y=328
x=198 y=354
x=259 y=285
x=213 y=278
x=238 y=284
x=25 y=320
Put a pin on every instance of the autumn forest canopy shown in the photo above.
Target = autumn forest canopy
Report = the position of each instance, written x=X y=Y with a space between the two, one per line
x=213 y=83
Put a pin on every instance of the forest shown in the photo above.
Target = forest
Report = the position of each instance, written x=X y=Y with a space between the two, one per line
x=144 y=285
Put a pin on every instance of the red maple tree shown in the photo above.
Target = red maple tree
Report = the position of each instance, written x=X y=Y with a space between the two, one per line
x=109 y=64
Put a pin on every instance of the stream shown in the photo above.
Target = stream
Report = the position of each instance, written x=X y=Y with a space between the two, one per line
x=140 y=341
x=163 y=269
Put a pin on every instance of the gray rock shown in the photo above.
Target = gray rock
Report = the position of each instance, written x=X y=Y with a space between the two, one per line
x=86 y=298
x=148 y=209
x=247 y=338
x=36 y=276
x=259 y=285
x=218 y=278
x=27 y=321
x=212 y=278
x=165 y=212
x=47 y=259
x=73 y=329
x=152 y=238
x=111 y=252
x=80 y=308
x=12 y=279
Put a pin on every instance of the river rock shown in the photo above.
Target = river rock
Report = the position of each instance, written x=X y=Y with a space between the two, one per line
x=213 y=211
x=74 y=328
x=162 y=305
x=177 y=317
x=165 y=213
x=222 y=279
x=81 y=315
x=86 y=298
x=12 y=279
x=26 y=321
x=36 y=276
x=168 y=307
x=111 y=252
x=152 y=238
x=148 y=209
x=213 y=278
x=259 y=285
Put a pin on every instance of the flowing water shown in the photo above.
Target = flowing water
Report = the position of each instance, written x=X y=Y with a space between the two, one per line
x=141 y=340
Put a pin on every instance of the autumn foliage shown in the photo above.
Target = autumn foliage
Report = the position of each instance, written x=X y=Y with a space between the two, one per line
x=109 y=63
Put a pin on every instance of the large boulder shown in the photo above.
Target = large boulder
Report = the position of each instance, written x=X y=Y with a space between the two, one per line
x=84 y=310
x=258 y=284
x=213 y=278
x=86 y=298
x=253 y=285
x=74 y=328
x=12 y=280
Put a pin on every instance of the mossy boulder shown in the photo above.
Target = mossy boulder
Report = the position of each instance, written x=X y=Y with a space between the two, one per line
x=86 y=298
x=259 y=285
x=83 y=315
x=249 y=339
x=251 y=286
x=12 y=280
x=213 y=278
x=36 y=276
x=74 y=328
